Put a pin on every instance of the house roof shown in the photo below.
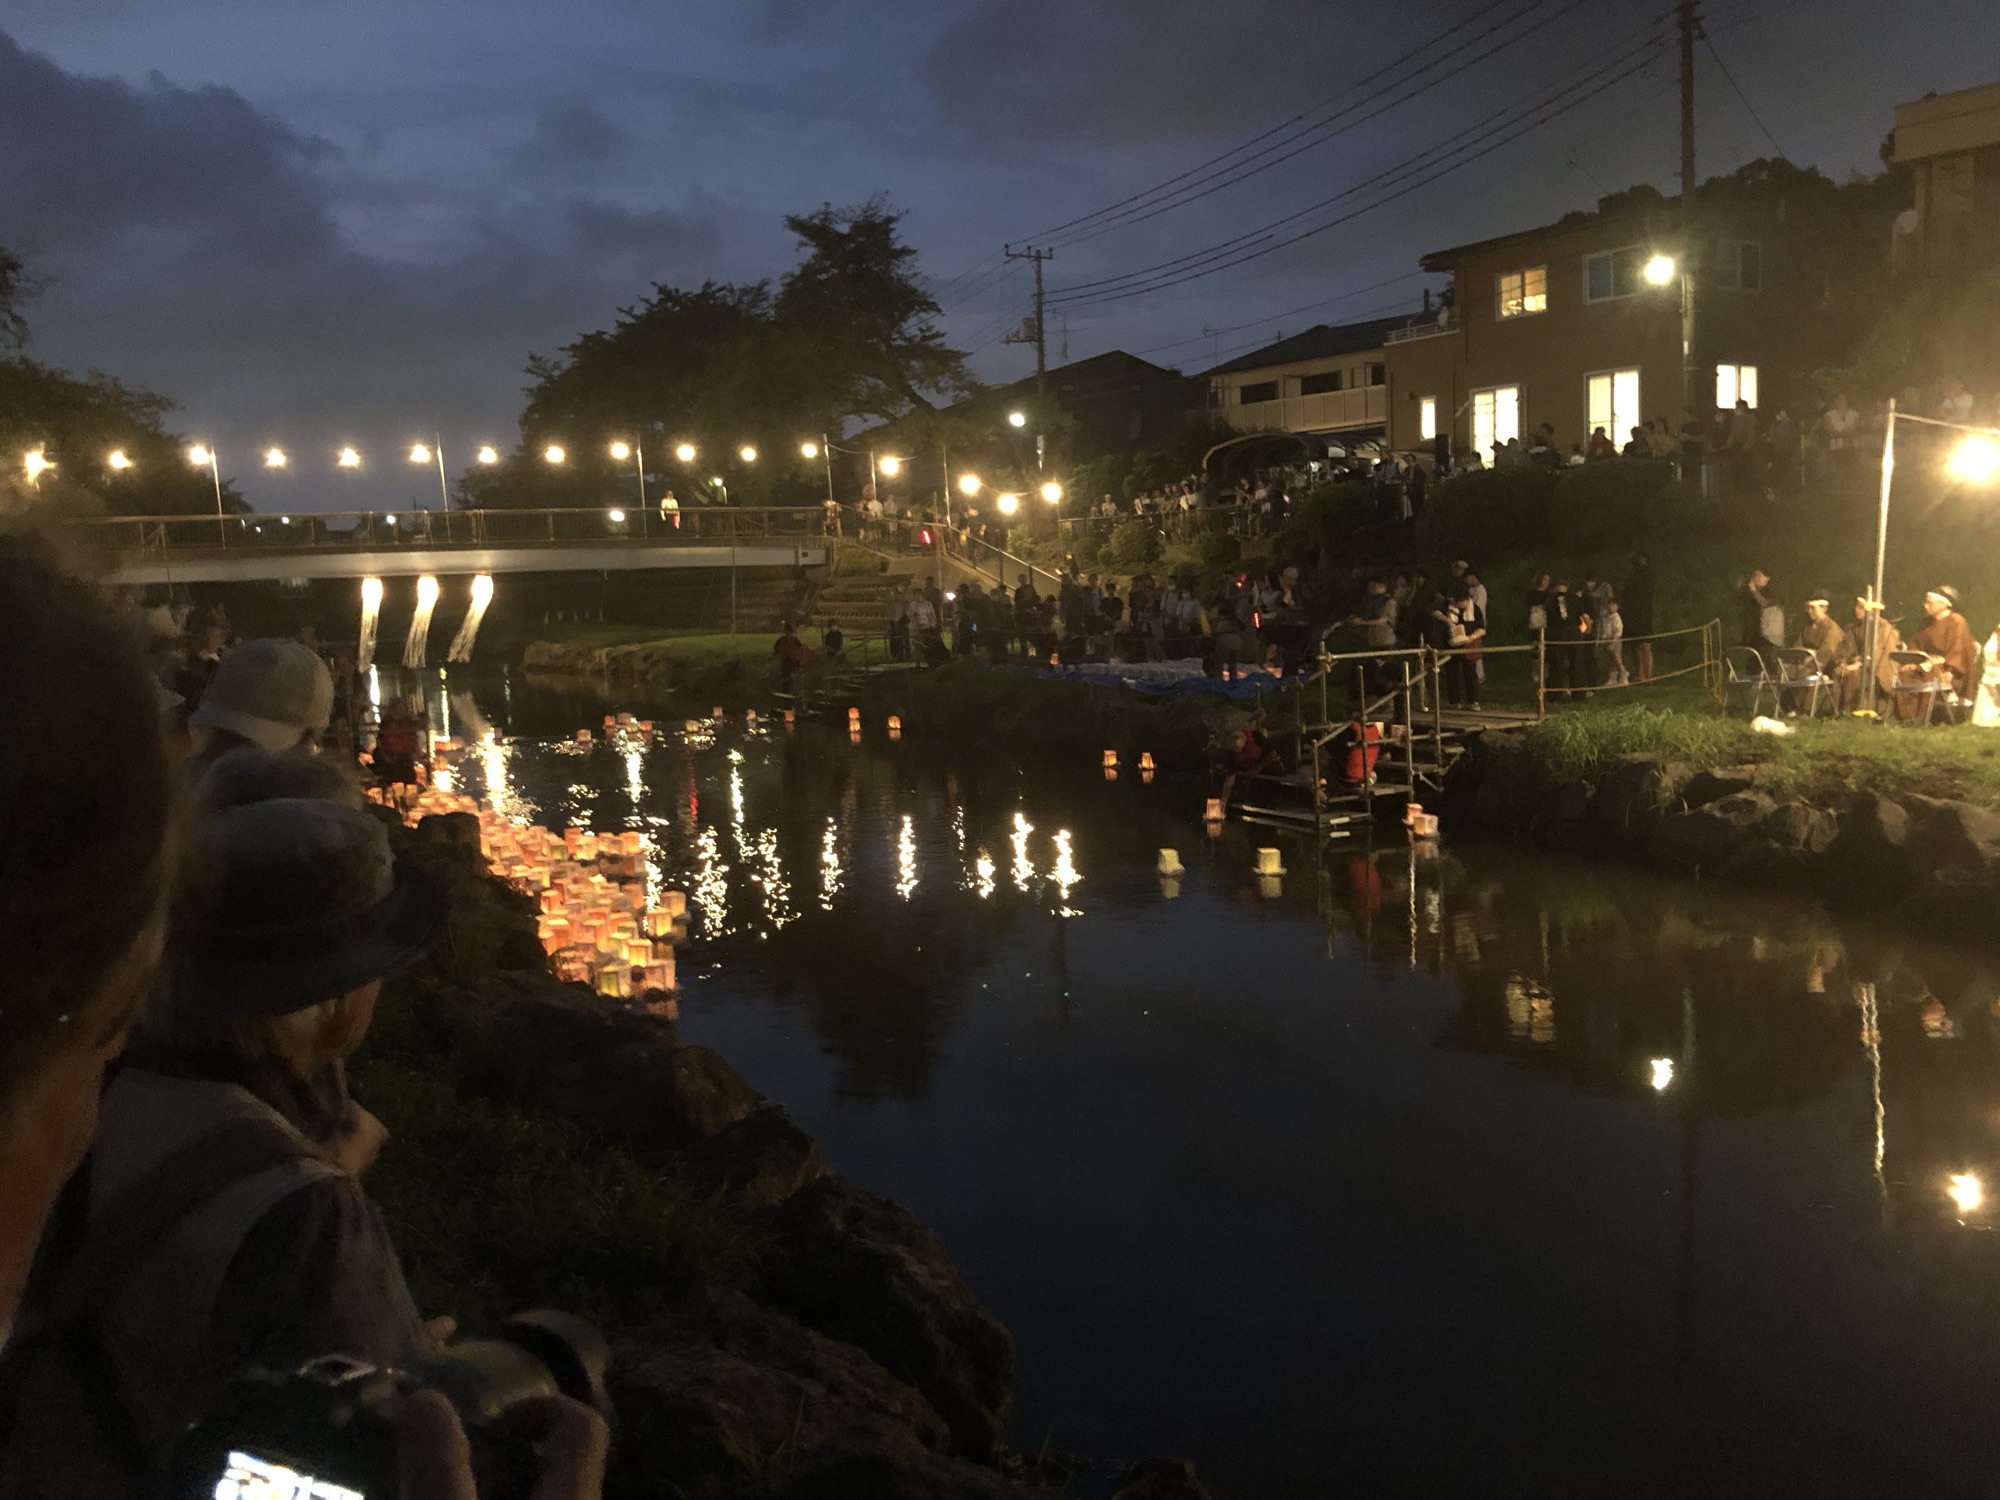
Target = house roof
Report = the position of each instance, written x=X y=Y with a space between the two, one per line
x=1322 y=341
x=1444 y=260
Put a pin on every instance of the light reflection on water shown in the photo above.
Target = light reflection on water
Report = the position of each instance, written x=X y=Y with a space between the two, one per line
x=1453 y=1152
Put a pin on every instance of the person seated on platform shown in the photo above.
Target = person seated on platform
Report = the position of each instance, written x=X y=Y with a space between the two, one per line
x=1946 y=639
x=1848 y=660
x=1823 y=637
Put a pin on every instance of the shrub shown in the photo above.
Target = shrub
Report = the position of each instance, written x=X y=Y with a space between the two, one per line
x=1488 y=513
x=1133 y=546
x=1217 y=549
x=1619 y=505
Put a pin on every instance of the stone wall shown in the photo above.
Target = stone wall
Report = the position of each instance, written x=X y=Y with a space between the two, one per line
x=1921 y=855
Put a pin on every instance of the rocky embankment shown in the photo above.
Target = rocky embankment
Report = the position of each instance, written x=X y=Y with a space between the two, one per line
x=659 y=667
x=1924 y=855
x=859 y=1363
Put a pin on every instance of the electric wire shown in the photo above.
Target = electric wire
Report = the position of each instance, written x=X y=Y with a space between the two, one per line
x=1744 y=98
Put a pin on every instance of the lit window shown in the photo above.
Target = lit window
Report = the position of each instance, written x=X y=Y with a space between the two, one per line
x=1427 y=418
x=1612 y=399
x=1523 y=292
x=1734 y=383
x=1738 y=266
x=1496 y=418
x=1611 y=273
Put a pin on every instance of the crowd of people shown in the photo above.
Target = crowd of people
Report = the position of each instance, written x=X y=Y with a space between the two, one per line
x=199 y=916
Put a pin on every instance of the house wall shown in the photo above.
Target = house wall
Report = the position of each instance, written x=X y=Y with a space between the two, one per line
x=1359 y=403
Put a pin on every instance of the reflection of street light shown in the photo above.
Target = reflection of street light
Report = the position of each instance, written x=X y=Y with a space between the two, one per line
x=1661 y=270
x=1017 y=419
x=1008 y=504
x=275 y=458
x=554 y=453
x=1663 y=1074
x=968 y=484
x=685 y=453
x=890 y=465
x=489 y=455
x=1052 y=492
x=1965 y=1192
x=747 y=453
x=1975 y=461
x=116 y=459
x=808 y=450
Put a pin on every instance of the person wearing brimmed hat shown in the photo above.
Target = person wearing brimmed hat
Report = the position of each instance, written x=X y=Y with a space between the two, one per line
x=276 y=695
x=231 y=1106
x=1947 y=640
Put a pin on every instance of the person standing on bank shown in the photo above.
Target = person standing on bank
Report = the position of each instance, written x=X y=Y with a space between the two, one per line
x=1635 y=604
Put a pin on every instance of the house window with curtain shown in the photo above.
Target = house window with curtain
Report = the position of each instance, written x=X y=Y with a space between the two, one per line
x=1496 y=418
x=1611 y=400
x=1524 y=292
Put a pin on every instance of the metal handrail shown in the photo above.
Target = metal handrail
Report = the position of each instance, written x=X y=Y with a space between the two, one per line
x=357 y=531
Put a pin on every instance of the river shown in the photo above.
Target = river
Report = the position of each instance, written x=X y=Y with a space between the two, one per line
x=1454 y=1170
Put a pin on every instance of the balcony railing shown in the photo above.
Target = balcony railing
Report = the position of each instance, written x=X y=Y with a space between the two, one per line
x=1325 y=411
x=1444 y=320
x=161 y=537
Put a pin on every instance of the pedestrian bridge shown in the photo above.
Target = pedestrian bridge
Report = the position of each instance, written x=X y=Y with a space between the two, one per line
x=144 y=551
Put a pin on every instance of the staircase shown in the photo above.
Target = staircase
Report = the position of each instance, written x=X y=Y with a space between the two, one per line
x=858 y=604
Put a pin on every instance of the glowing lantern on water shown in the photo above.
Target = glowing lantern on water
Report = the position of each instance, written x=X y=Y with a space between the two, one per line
x=1146 y=760
x=790 y=718
x=1213 y=814
x=583 y=736
x=1170 y=862
x=716 y=713
x=749 y=716
x=631 y=843
x=1111 y=760
x=1270 y=862
x=674 y=903
x=854 y=718
x=895 y=724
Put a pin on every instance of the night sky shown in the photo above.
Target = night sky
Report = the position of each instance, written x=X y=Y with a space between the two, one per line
x=316 y=223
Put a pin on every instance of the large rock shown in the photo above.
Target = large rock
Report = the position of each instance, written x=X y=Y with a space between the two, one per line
x=1802 y=830
x=627 y=1078
x=1715 y=837
x=866 y=1270
x=1871 y=853
x=1632 y=796
x=723 y=1394
x=1161 y=1479
x=763 y=1156
x=1951 y=836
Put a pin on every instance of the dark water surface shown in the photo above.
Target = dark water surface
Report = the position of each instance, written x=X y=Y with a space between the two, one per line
x=1471 y=1173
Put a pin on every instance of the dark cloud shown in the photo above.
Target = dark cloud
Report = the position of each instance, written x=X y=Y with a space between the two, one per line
x=570 y=138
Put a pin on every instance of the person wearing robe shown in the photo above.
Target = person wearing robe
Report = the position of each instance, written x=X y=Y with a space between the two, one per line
x=1848 y=662
x=1824 y=638
x=1947 y=640
x=1986 y=707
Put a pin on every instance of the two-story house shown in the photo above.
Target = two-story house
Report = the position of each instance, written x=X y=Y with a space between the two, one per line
x=1579 y=324
x=1951 y=143
x=1330 y=381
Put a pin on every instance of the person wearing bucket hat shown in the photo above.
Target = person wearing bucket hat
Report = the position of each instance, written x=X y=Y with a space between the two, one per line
x=277 y=695
x=295 y=911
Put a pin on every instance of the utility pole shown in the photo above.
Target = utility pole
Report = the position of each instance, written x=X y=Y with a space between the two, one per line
x=1029 y=252
x=1690 y=370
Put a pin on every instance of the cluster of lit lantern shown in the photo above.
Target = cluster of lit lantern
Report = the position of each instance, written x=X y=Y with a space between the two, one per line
x=1146 y=765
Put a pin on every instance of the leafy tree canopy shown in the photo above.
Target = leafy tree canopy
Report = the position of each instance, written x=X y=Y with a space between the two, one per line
x=848 y=335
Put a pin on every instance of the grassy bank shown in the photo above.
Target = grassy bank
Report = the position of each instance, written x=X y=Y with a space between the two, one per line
x=1825 y=761
x=691 y=670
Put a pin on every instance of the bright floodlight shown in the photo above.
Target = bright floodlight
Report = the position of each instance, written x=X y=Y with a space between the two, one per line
x=1017 y=419
x=489 y=455
x=617 y=517
x=118 y=460
x=808 y=450
x=36 y=463
x=275 y=458
x=1975 y=461
x=1663 y=1074
x=1661 y=270
x=349 y=459
x=371 y=594
x=554 y=453
x=891 y=465
x=716 y=480
x=621 y=451
x=200 y=455
x=685 y=453
x=419 y=454
x=747 y=453
x=968 y=484
x=1052 y=492
x=1008 y=504
x=482 y=590
x=427 y=592
x=1965 y=1191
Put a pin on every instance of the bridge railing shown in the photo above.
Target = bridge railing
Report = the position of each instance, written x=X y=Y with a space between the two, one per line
x=139 y=537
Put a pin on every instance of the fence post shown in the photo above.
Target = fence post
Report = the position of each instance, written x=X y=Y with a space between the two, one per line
x=1541 y=675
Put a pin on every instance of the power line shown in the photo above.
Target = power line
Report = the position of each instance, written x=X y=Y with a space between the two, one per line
x=1290 y=312
x=1730 y=79
x=1427 y=166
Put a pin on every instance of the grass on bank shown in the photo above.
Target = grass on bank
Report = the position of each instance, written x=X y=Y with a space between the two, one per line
x=1824 y=761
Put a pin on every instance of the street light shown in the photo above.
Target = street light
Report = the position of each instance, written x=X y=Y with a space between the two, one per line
x=117 y=459
x=489 y=455
x=424 y=453
x=1017 y=419
x=419 y=454
x=968 y=484
x=554 y=453
x=1966 y=1192
x=685 y=453
x=37 y=463
x=890 y=464
x=808 y=451
x=1976 y=460
x=1661 y=270
x=204 y=453
x=1052 y=492
x=621 y=451
x=747 y=453
x=275 y=458
x=617 y=516
x=1008 y=504
x=349 y=459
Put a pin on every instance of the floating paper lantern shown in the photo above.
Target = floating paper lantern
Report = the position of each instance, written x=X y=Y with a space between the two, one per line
x=674 y=903
x=1111 y=760
x=1213 y=813
x=631 y=842
x=749 y=716
x=1411 y=812
x=583 y=736
x=854 y=718
x=790 y=718
x=1170 y=862
x=716 y=713
x=1146 y=760
x=895 y=724
x=1270 y=862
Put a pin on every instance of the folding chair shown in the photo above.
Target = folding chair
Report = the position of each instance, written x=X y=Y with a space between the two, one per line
x=1799 y=672
x=1931 y=688
x=1744 y=668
